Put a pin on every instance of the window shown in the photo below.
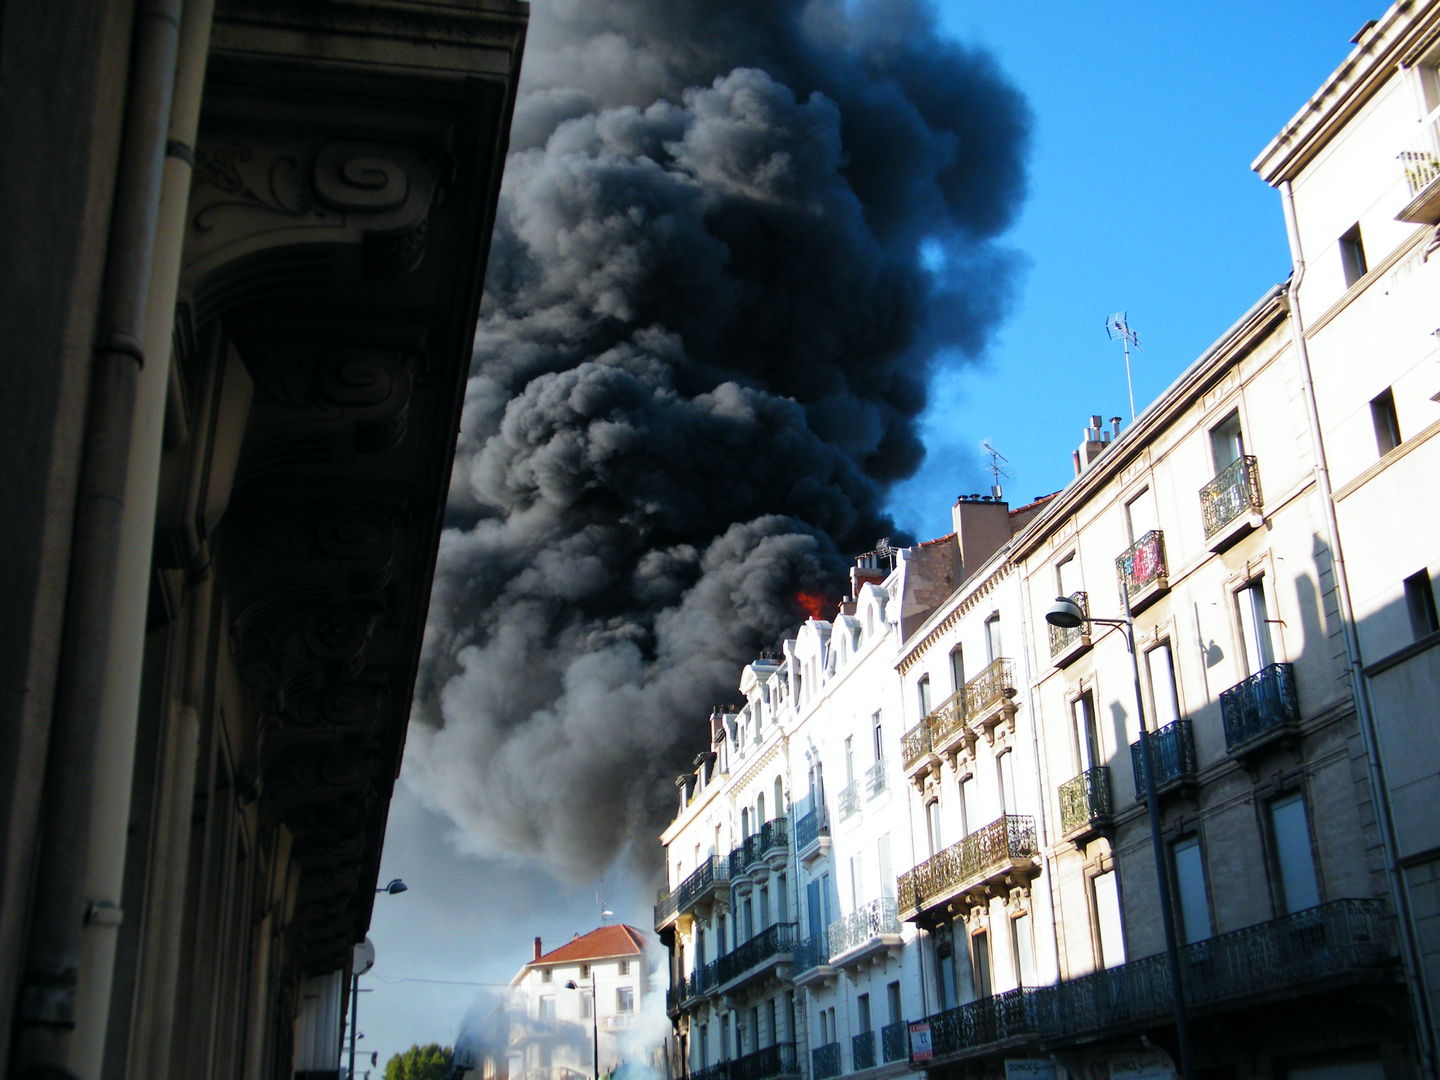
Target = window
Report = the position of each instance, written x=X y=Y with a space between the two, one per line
x=887 y=876
x=825 y=895
x=704 y=1045
x=924 y=687
x=1087 y=740
x=1160 y=664
x=547 y=975
x=1005 y=764
x=782 y=904
x=945 y=975
x=547 y=1007
x=1226 y=442
x=812 y=905
x=824 y=1028
x=584 y=971
x=980 y=951
x=624 y=967
x=1352 y=255
x=1023 y=950
x=1387 y=422
x=957 y=668
x=725 y=1037
x=764 y=906
x=1420 y=601
x=587 y=1005
x=1190 y=885
x=849 y=759
x=720 y=929
x=1293 y=855
x=877 y=732
x=748 y=910
x=1108 y=926
x=1140 y=517
x=625 y=999
x=754 y=1027
x=892 y=996
x=857 y=882
x=779 y=797
x=774 y=1019
x=862 y=1012
x=992 y=638
x=1067 y=576
x=759 y=810
x=969 y=806
x=932 y=825
x=544 y=1055
x=1255 y=627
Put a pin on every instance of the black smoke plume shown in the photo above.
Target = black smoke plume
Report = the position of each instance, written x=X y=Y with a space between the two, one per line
x=731 y=236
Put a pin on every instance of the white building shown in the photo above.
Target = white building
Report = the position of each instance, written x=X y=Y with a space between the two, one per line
x=559 y=1001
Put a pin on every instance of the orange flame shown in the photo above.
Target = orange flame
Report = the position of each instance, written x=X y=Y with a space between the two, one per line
x=811 y=603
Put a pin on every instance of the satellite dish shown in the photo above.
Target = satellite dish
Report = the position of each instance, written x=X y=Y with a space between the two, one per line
x=364 y=957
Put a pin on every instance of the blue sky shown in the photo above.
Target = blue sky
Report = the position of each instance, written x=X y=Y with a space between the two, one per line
x=1146 y=119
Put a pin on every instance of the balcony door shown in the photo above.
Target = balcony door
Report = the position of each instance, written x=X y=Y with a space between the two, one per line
x=1108 y=924
x=812 y=905
x=1140 y=515
x=980 y=959
x=924 y=690
x=857 y=883
x=957 y=668
x=1194 y=897
x=1227 y=442
x=1294 y=857
x=993 y=647
x=1255 y=627
x=1164 y=700
x=932 y=825
x=1087 y=739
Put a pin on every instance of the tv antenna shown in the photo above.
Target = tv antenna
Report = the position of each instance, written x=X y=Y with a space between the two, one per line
x=994 y=469
x=1117 y=327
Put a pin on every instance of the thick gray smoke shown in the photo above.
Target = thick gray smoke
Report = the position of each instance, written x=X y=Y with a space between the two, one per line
x=731 y=236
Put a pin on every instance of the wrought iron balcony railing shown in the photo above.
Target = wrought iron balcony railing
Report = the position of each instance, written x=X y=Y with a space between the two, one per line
x=811 y=953
x=775 y=940
x=994 y=849
x=915 y=745
x=778 y=1059
x=849 y=800
x=811 y=827
x=864 y=924
x=1343 y=937
x=825 y=1061
x=862 y=1051
x=1062 y=637
x=1085 y=800
x=711 y=873
x=875 y=778
x=992 y=686
x=772 y=835
x=775 y=834
x=1264 y=702
x=1235 y=491
x=666 y=907
x=719 y=1071
x=1173 y=748
x=1143 y=564
x=895 y=1041
x=1420 y=161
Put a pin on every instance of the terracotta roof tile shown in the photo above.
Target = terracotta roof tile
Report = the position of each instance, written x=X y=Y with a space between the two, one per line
x=602 y=942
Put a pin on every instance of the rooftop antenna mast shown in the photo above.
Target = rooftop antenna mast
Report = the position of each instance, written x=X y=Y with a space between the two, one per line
x=1117 y=327
x=994 y=469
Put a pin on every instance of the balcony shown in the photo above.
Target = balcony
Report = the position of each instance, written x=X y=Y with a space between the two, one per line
x=1420 y=164
x=848 y=803
x=1143 y=572
x=1173 y=748
x=868 y=932
x=777 y=1059
x=875 y=778
x=812 y=831
x=987 y=862
x=825 y=1061
x=1068 y=642
x=757 y=956
x=1262 y=708
x=1085 y=804
x=862 y=1051
x=771 y=841
x=895 y=1041
x=1342 y=942
x=989 y=698
x=697 y=890
x=1231 y=504
x=810 y=960
x=915 y=748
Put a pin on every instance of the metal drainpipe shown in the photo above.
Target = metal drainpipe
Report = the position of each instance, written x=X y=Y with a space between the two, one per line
x=1384 y=818
x=51 y=1027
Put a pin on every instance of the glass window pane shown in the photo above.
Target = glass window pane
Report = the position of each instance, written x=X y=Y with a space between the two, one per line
x=1293 y=853
x=1024 y=950
x=1163 y=694
x=1009 y=804
x=1107 y=918
x=1190 y=884
x=1259 y=652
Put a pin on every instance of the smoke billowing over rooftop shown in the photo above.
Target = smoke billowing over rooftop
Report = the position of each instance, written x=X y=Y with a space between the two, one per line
x=731 y=236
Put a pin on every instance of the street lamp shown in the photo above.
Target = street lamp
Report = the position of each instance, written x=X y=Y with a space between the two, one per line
x=1067 y=615
x=364 y=960
x=594 y=1020
x=395 y=887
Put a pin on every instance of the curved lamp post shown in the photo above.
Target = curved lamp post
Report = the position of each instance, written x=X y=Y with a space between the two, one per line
x=571 y=984
x=394 y=888
x=1067 y=615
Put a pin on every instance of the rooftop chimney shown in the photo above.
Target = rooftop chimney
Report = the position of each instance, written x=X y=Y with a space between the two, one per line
x=537 y=948
x=1094 y=440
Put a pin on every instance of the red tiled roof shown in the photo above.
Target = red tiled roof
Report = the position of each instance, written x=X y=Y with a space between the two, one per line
x=1037 y=502
x=604 y=941
x=938 y=540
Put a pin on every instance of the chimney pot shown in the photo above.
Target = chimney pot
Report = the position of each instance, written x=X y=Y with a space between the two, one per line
x=537 y=948
x=1115 y=426
x=1095 y=422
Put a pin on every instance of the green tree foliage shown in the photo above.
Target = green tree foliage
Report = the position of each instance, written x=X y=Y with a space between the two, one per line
x=430 y=1062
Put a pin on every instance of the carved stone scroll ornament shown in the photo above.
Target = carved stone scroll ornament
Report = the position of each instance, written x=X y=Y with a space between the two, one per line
x=292 y=213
